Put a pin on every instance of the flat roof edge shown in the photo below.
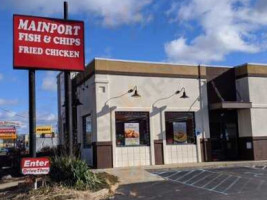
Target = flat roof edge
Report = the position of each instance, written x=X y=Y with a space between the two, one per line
x=159 y=62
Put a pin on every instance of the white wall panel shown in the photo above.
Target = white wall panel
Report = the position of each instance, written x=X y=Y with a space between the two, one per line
x=186 y=153
x=132 y=156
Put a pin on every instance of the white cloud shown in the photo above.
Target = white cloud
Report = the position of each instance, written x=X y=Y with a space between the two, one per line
x=49 y=82
x=225 y=26
x=1 y=76
x=20 y=117
x=46 y=119
x=111 y=12
x=4 y=102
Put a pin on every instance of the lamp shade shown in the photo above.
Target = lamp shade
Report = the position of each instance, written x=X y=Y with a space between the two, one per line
x=135 y=94
x=77 y=103
x=184 y=96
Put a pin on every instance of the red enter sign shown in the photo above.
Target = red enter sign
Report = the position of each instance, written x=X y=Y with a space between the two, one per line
x=35 y=166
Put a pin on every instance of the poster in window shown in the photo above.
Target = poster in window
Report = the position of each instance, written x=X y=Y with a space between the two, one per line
x=132 y=134
x=179 y=132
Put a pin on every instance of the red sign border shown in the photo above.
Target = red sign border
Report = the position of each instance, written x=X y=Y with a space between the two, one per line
x=47 y=68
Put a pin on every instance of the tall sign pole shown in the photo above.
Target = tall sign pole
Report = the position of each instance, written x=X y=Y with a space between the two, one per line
x=48 y=44
x=32 y=113
x=68 y=104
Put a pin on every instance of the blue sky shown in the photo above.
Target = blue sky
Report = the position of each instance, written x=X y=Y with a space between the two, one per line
x=225 y=32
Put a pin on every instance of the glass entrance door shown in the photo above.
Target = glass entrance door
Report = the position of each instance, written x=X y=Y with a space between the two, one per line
x=224 y=135
x=230 y=141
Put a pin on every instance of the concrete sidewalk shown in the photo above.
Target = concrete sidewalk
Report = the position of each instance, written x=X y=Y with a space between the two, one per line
x=8 y=185
x=128 y=175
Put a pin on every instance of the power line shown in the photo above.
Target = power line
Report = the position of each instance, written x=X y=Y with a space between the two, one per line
x=9 y=111
x=18 y=115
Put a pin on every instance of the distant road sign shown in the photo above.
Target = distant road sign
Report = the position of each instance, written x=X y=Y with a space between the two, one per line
x=7 y=130
x=35 y=166
x=8 y=133
x=5 y=136
x=44 y=130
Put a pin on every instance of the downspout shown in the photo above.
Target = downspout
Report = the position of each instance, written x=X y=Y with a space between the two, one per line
x=202 y=115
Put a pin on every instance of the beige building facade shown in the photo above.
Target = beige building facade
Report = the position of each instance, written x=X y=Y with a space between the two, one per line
x=142 y=113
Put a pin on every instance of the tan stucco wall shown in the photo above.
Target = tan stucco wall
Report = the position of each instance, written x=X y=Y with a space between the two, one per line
x=151 y=89
x=252 y=122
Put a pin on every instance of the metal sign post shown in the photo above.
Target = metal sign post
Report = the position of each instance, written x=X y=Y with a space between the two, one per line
x=68 y=104
x=32 y=113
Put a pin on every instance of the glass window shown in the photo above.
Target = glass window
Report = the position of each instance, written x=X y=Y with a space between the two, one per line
x=132 y=128
x=180 y=128
x=87 y=131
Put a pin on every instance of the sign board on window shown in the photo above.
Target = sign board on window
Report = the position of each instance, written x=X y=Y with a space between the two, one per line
x=179 y=132
x=45 y=43
x=35 y=166
x=132 y=133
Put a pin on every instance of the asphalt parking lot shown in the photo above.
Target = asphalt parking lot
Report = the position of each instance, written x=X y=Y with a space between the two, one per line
x=202 y=184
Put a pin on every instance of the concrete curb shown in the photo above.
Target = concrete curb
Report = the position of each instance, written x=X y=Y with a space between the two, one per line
x=207 y=165
x=189 y=165
x=4 y=186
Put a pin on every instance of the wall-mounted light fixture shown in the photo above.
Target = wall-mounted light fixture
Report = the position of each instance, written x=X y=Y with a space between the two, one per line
x=184 y=96
x=76 y=102
x=135 y=94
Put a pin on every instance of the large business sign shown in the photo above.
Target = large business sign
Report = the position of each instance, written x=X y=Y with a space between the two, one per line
x=9 y=123
x=46 y=43
x=8 y=133
x=35 y=166
x=44 y=130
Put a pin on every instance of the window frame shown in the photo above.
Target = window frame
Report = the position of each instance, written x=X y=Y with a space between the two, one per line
x=85 y=145
x=148 y=128
x=194 y=127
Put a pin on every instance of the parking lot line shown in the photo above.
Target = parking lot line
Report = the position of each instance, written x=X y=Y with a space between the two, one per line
x=221 y=182
x=195 y=176
x=232 y=184
x=196 y=186
x=173 y=174
x=201 y=179
x=189 y=172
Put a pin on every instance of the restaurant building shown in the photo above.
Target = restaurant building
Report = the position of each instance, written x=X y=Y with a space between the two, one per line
x=133 y=113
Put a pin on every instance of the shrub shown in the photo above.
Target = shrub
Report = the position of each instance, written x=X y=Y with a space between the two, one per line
x=74 y=172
